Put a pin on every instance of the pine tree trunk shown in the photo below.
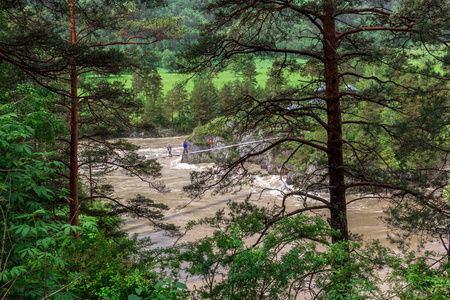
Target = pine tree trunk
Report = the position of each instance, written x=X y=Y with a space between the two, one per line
x=334 y=143
x=73 y=173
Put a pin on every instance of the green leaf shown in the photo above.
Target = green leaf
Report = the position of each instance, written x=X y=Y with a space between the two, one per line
x=65 y=242
x=16 y=271
x=67 y=230
x=180 y=285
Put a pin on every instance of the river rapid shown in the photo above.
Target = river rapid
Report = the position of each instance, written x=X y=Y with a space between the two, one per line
x=363 y=216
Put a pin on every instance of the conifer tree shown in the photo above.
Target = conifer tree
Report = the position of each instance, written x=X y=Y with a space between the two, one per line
x=203 y=100
x=176 y=100
x=249 y=73
x=340 y=40
x=226 y=99
x=60 y=44
x=154 y=108
x=373 y=78
x=276 y=80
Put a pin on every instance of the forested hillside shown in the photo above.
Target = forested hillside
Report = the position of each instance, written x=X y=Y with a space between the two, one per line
x=180 y=114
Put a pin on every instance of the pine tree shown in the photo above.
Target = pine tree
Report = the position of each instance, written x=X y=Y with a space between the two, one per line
x=176 y=99
x=226 y=98
x=203 y=100
x=276 y=80
x=388 y=50
x=336 y=36
x=249 y=73
x=154 y=108
x=58 y=43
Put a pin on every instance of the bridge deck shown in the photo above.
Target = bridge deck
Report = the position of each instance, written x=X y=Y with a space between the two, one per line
x=213 y=149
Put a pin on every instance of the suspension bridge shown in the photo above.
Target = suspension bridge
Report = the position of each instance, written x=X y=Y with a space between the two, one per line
x=214 y=149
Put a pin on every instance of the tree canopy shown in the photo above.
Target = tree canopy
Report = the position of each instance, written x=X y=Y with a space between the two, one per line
x=368 y=117
x=343 y=41
x=62 y=44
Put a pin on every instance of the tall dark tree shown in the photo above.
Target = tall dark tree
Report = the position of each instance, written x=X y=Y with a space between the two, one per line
x=368 y=64
x=276 y=80
x=59 y=43
x=238 y=63
x=153 y=87
x=249 y=79
x=167 y=59
x=249 y=73
x=342 y=40
x=226 y=98
x=203 y=100
x=176 y=100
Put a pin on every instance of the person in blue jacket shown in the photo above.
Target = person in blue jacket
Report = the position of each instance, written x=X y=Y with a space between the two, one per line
x=185 y=148
x=169 y=148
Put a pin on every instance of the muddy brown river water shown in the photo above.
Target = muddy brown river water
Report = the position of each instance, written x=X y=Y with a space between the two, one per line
x=364 y=216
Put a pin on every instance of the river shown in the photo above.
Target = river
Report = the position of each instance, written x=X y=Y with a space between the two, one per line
x=363 y=216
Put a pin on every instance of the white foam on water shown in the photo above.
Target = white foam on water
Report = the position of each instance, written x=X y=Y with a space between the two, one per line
x=152 y=152
x=269 y=182
x=177 y=164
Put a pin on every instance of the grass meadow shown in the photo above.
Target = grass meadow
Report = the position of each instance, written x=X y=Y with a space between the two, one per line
x=169 y=79
x=262 y=67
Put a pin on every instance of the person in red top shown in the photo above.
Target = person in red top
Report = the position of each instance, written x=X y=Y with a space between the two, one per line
x=210 y=143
